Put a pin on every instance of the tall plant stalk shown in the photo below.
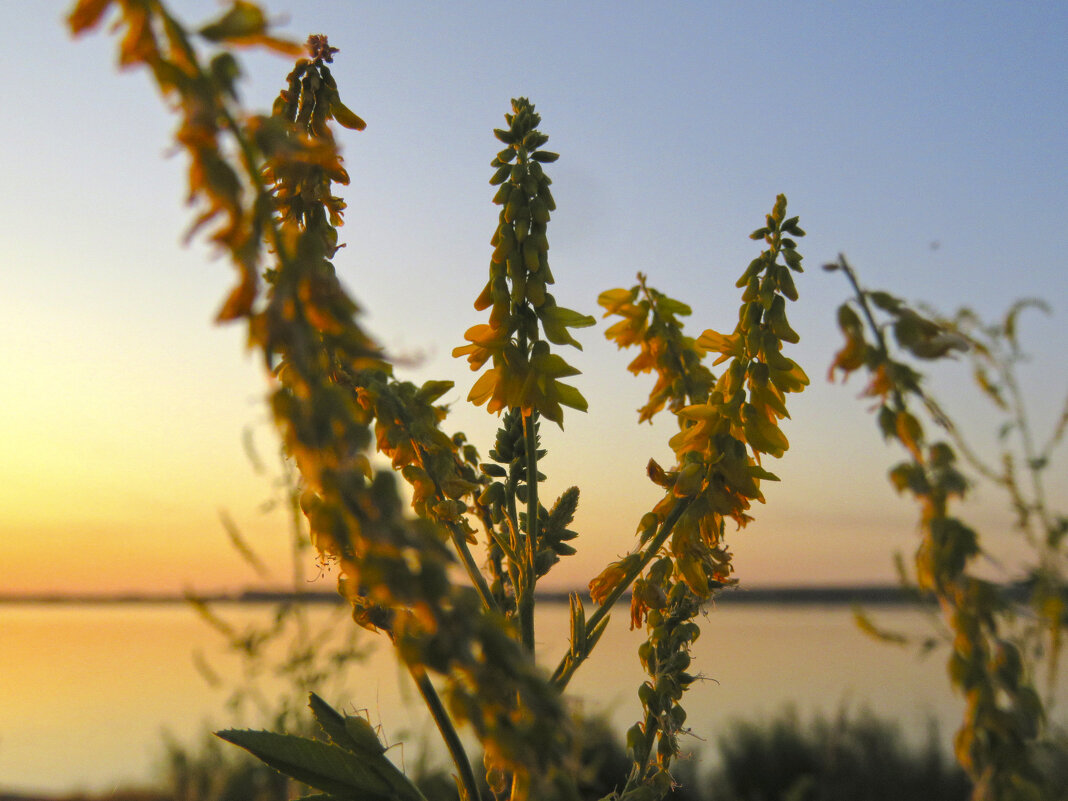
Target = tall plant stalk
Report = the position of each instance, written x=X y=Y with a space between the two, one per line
x=265 y=186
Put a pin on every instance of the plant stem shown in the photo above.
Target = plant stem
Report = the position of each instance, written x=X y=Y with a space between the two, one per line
x=525 y=602
x=876 y=332
x=447 y=730
x=570 y=663
x=459 y=541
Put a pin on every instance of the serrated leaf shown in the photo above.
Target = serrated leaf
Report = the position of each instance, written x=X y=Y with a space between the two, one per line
x=320 y=765
x=242 y=20
x=885 y=301
x=86 y=14
x=326 y=767
x=614 y=299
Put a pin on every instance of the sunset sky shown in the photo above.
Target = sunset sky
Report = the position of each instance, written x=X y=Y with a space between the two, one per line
x=927 y=141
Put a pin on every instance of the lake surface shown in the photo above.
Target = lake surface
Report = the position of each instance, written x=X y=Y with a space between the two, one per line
x=86 y=691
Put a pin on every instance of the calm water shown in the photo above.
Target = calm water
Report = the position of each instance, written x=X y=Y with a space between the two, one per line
x=85 y=692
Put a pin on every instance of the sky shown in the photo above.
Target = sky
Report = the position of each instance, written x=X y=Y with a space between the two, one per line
x=926 y=141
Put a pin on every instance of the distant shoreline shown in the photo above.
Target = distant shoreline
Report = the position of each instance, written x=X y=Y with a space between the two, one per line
x=882 y=595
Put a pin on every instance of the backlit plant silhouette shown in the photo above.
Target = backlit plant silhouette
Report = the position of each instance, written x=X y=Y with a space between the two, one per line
x=264 y=186
x=998 y=633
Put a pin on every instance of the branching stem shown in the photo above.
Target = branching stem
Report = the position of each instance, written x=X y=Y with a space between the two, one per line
x=570 y=663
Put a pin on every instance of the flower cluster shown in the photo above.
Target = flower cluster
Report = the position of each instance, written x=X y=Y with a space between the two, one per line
x=265 y=184
x=725 y=425
x=651 y=321
x=524 y=373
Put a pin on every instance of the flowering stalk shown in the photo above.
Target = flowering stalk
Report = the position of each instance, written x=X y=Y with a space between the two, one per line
x=726 y=425
x=996 y=741
x=524 y=373
x=266 y=187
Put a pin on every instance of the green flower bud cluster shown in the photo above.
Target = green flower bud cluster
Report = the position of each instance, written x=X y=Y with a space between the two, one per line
x=524 y=374
x=654 y=741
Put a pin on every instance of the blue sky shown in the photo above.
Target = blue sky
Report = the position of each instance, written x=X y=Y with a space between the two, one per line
x=891 y=127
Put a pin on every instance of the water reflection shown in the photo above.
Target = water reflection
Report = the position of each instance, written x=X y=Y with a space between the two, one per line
x=86 y=691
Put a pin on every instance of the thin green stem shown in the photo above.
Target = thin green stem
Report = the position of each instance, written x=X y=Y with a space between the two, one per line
x=1034 y=462
x=502 y=543
x=515 y=566
x=639 y=772
x=876 y=332
x=571 y=661
x=526 y=599
x=459 y=541
x=448 y=731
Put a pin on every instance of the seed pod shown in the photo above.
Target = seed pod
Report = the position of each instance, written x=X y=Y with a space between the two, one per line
x=530 y=255
x=503 y=194
x=522 y=226
x=752 y=290
x=501 y=175
x=547 y=196
x=519 y=286
x=786 y=284
x=511 y=206
x=758 y=373
x=778 y=323
x=539 y=242
x=753 y=313
x=539 y=210
x=536 y=289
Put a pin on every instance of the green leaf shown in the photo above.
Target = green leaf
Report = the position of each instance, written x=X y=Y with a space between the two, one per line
x=326 y=767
